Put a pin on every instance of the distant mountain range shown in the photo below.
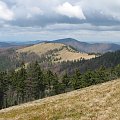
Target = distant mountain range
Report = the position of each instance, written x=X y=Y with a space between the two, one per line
x=87 y=47
x=5 y=44
x=18 y=44
x=80 y=46
x=28 y=42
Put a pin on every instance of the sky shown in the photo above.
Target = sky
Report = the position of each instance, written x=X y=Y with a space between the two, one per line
x=85 y=20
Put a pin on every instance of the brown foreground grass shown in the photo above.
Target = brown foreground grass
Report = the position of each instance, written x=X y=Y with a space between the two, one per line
x=100 y=102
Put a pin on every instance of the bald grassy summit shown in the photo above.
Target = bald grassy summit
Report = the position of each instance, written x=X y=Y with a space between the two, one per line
x=100 y=102
x=55 y=52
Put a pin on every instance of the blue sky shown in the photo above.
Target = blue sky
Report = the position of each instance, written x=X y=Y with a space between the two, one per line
x=85 y=20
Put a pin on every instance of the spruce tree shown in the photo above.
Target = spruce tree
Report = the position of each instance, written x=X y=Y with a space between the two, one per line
x=21 y=78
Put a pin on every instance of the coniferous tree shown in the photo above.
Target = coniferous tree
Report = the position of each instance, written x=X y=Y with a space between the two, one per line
x=3 y=88
x=21 y=78
x=40 y=83
x=117 y=69
x=66 y=80
x=102 y=74
x=76 y=80
x=36 y=78
x=55 y=83
x=51 y=79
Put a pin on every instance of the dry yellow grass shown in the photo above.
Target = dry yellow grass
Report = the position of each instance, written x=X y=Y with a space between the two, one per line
x=100 y=102
x=64 y=54
x=67 y=55
x=41 y=48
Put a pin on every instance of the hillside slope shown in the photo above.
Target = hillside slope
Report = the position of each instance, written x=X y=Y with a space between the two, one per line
x=89 y=48
x=55 y=51
x=100 y=102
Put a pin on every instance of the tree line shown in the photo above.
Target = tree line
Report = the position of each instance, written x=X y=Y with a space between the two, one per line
x=32 y=83
x=110 y=59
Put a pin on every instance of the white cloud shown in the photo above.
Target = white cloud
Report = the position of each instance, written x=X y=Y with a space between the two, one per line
x=5 y=12
x=107 y=8
x=27 y=9
x=71 y=11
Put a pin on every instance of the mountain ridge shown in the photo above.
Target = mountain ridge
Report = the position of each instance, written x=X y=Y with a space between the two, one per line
x=89 y=47
x=78 y=45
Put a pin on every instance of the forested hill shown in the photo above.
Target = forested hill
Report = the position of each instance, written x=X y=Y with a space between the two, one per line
x=110 y=59
x=32 y=83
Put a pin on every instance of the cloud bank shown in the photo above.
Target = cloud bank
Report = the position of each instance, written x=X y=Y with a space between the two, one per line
x=47 y=16
x=44 y=12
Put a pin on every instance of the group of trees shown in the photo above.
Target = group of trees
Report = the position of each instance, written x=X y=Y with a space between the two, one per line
x=110 y=59
x=32 y=83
